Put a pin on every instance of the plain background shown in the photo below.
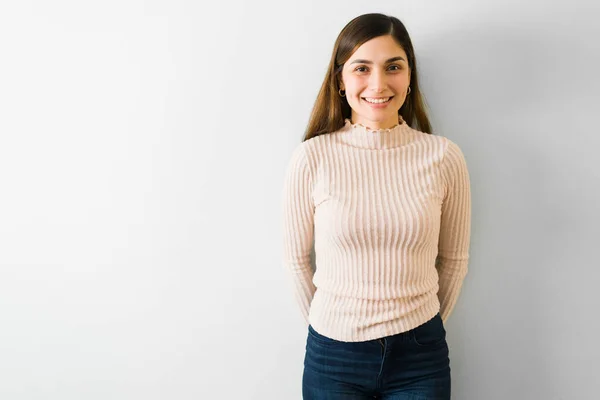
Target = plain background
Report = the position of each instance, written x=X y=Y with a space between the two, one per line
x=143 y=145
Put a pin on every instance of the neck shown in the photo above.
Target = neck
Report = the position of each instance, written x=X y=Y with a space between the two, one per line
x=360 y=136
x=374 y=124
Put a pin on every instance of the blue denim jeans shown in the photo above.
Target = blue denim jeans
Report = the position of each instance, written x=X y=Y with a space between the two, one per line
x=412 y=365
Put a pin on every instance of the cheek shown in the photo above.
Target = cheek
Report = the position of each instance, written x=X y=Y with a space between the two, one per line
x=354 y=84
x=352 y=89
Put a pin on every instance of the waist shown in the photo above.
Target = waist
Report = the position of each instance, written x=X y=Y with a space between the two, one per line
x=392 y=290
x=358 y=319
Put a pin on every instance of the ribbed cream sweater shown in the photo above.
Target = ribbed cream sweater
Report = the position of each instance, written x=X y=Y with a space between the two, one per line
x=389 y=211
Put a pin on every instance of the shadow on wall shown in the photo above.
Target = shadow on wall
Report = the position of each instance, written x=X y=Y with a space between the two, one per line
x=519 y=103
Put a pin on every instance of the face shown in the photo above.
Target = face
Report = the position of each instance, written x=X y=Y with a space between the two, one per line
x=376 y=70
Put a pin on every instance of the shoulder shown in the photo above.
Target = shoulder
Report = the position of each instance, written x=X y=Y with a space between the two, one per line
x=454 y=164
x=316 y=142
x=452 y=151
x=303 y=155
x=439 y=145
x=298 y=156
x=311 y=149
x=307 y=147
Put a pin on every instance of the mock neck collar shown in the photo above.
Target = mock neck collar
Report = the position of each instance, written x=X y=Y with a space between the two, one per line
x=360 y=136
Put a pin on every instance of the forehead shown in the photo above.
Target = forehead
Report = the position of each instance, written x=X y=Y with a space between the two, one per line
x=378 y=50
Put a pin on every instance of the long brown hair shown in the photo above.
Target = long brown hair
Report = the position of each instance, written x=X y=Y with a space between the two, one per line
x=330 y=109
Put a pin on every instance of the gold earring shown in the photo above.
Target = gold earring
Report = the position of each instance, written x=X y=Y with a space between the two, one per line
x=408 y=90
x=340 y=92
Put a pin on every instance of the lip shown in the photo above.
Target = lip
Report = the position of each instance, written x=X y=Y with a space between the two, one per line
x=379 y=97
x=378 y=106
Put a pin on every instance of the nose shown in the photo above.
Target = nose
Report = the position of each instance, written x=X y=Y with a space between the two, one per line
x=377 y=81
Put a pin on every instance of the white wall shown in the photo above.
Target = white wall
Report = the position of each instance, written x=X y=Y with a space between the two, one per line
x=141 y=162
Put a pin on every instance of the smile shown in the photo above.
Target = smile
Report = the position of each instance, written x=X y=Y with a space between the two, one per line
x=379 y=100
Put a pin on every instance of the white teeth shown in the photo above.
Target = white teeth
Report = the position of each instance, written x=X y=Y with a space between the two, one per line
x=377 y=101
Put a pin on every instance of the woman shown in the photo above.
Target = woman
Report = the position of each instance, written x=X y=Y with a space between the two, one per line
x=389 y=209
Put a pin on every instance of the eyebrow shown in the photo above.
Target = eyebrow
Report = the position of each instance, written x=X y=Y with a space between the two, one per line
x=371 y=62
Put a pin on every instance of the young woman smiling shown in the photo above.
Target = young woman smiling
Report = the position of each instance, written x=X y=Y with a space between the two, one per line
x=388 y=206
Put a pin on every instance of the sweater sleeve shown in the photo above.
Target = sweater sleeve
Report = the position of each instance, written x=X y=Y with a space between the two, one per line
x=298 y=227
x=455 y=229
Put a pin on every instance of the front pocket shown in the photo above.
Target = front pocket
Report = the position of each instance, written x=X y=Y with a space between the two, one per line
x=316 y=336
x=431 y=333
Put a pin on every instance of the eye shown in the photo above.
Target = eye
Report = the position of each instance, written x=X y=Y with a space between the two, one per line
x=394 y=65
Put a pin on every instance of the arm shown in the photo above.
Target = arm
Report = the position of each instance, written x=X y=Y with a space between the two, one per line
x=298 y=215
x=455 y=229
